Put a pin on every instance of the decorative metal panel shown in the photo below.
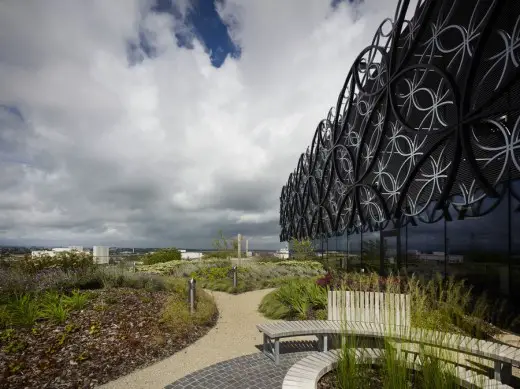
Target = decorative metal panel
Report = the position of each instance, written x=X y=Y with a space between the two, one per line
x=427 y=119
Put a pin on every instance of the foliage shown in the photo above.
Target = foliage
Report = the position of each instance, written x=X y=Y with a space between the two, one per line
x=216 y=274
x=368 y=282
x=22 y=310
x=65 y=261
x=77 y=300
x=26 y=309
x=438 y=304
x=448 y=305
x=176 y=314
x=135 y=325
x=297 y=299
x=64 y=311
x=53 y=308
x=163 y=255
x=437 y=366
x=224 y=247
x=302 y=249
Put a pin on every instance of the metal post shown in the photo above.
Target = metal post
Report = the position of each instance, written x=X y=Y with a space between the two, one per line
x=406 y=249
x=234 y=276
x=509 y=233
x=445 y=249
x=239 y=242
x=348 y=253
x=361 y=252
x=192 y=295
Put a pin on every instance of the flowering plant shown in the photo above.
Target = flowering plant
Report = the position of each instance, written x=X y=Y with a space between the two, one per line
x=325 y=281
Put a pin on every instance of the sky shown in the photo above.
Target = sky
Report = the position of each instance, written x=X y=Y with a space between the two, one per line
x=143 y=123
x=139 y=123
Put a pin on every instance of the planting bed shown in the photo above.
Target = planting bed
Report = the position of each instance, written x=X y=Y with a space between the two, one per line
x=118 y=331
x=372 y=378
x=216 y=274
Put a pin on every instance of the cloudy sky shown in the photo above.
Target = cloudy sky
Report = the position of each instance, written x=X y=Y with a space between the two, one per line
x=144 y=123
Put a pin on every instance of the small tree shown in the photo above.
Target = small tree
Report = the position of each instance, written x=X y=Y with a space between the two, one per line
x=224 y=248
x=220 y=243
x=163 y=255
x=302 y=249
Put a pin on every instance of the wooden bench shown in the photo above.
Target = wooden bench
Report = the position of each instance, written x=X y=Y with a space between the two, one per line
x=306 y=373
x=503 y=356
x=354 y=306
x=369 y=307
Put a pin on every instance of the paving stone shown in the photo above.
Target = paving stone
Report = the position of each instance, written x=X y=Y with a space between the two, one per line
x=254 y=371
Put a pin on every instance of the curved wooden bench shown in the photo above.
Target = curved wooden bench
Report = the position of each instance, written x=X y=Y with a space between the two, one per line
x=503 y=356
x=306 y=373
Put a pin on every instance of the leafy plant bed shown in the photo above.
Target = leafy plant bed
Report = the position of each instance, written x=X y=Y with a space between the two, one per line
x=372 y=377
x=216 y=274
x=116 y=332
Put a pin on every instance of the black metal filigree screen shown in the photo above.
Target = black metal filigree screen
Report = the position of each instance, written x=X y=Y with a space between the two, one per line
x=427 y=120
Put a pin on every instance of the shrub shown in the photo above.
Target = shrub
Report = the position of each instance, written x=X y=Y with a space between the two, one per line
x=297 y=299
x=273 y=308
x=118 y=278
x=22 y=311
x=53 y=308
x=164 y=255
x=448 y=305
x=64 y=260
x=302 y=249
x=217 y=255
x=77 y=300
x=176 y=314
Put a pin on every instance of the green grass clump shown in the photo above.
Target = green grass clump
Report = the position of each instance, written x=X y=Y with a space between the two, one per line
x=296 y=299
x=176 y=314
x=26 y=309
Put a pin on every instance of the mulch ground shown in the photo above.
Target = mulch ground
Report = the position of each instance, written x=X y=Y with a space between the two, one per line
x=118 y=332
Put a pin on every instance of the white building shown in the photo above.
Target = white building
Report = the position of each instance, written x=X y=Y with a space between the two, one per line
x=282 y=253
x=191 y=255
x=54 y=251
x=39 y=253
x=101 y=254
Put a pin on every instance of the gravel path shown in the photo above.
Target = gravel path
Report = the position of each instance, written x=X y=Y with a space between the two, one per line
x=234 y=335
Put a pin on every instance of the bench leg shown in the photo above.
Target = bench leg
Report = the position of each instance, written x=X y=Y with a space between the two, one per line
x=272 y=351
x=323 y=342
x=503 y=372
x=276 y=351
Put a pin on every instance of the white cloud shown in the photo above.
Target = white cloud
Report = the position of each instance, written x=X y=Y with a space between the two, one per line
x=172 y=149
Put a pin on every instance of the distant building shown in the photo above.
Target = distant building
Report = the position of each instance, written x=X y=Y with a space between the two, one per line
x=282 y=253
x=185 y=255
x=39 y=253
x=54 y=251
x=101 y=254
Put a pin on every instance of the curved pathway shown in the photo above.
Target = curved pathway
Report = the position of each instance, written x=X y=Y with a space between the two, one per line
x=234 y=335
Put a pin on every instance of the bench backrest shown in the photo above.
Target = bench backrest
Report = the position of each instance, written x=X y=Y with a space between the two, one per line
x=369 y=307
